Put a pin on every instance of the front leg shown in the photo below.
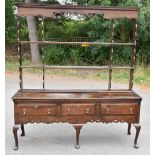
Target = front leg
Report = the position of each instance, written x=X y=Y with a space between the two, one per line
x=77 y=128
x=15 y=129
x=138 y=127
x=23 y=131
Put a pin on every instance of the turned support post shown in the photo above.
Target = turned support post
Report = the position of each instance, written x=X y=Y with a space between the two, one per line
x=23 y=130
x=77 y=128
x=137 y=127
x=15 y=129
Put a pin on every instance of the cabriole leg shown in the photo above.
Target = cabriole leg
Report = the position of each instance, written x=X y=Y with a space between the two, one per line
x=15 y=129
x=129 y=129
x=77 y=128
x=23 y=130
x=138 y=127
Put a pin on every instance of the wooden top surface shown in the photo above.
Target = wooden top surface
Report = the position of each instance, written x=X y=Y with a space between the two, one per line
x=93 y=7
x=48 y=10
x=41 y=94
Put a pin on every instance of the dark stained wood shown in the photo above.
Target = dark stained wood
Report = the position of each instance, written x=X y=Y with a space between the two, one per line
x=15 y=128
x=138 y=127
x=77 y=43
x=129 y=129
x=128 y=108
x=76 y=67
x=75 y=96
x=23 y=130
x=47 y=106
x=42 y=34
x=77 y=119
x=50 y=10
x=111 y=54
x=115 y=91
x=77 y=109
x=35 y=109
x=77 y=129
x=77 y=106
x=19 y=52
x=133 y=54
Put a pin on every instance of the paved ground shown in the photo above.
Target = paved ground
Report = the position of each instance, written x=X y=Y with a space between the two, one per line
x=59 y=139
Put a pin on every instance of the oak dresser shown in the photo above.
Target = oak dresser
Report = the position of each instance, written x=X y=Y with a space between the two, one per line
x=77 y=106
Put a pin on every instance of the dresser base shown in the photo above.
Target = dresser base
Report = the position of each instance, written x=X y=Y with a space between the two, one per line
x=76 y=107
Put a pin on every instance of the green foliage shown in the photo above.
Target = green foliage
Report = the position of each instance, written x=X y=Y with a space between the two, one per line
x=75 y=55
x=10 y=21
x=97 y=28
x=54 y=55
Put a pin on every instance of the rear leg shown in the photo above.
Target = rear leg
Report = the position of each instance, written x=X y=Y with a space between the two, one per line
x=23 y=130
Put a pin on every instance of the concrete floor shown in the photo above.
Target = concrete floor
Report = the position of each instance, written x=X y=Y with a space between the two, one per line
x=59 y=139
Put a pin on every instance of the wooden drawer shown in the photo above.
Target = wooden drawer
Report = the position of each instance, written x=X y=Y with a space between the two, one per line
x=35 y=109
x=119 y=108
x=77 y=109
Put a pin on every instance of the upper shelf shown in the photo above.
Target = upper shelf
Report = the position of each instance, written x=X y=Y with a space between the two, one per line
x=50 y=10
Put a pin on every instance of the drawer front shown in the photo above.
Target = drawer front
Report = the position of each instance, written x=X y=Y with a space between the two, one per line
x=119 y=108
x=77 y=109
x=35 y=109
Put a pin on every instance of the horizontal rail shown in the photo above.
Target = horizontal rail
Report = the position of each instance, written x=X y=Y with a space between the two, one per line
x=77 y=90
x=50 y=10
x=76 y=43
x=77 y=67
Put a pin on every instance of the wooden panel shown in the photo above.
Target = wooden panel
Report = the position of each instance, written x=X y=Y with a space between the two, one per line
x=35 y=109
x=65 y=95
x=120 y=118
x=77 y=109
x=119 y=108
x=50 y=10
x=77 y=119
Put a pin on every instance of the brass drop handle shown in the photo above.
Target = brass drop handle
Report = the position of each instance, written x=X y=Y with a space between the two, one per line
x=131 y=110
x=49 y=111
x=68 y=109
x=36 y=106
x=78 y=106
x=107 y=109
x=24 y=111
x=87 y=110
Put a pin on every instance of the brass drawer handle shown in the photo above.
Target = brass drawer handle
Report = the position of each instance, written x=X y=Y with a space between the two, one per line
x=107 y=109
x=87 y=110
x=36 y=106
x=49 y=111
x=24 y=111
x=68 y=110
x=131 y=110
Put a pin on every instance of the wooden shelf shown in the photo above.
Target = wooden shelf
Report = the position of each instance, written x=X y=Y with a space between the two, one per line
x=77 y=67
x=77 y=43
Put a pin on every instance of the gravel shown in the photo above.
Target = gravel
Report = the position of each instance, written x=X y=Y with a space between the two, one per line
x=59 y=138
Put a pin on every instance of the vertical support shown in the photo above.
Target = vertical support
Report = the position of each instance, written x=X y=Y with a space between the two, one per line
x=23 y=130
x=111 y=54
x=19 y=54
x=77 y=128
x=129 y=129
x=133 y=54
x=137 y=127
x=15 y=129
x=42 y=34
